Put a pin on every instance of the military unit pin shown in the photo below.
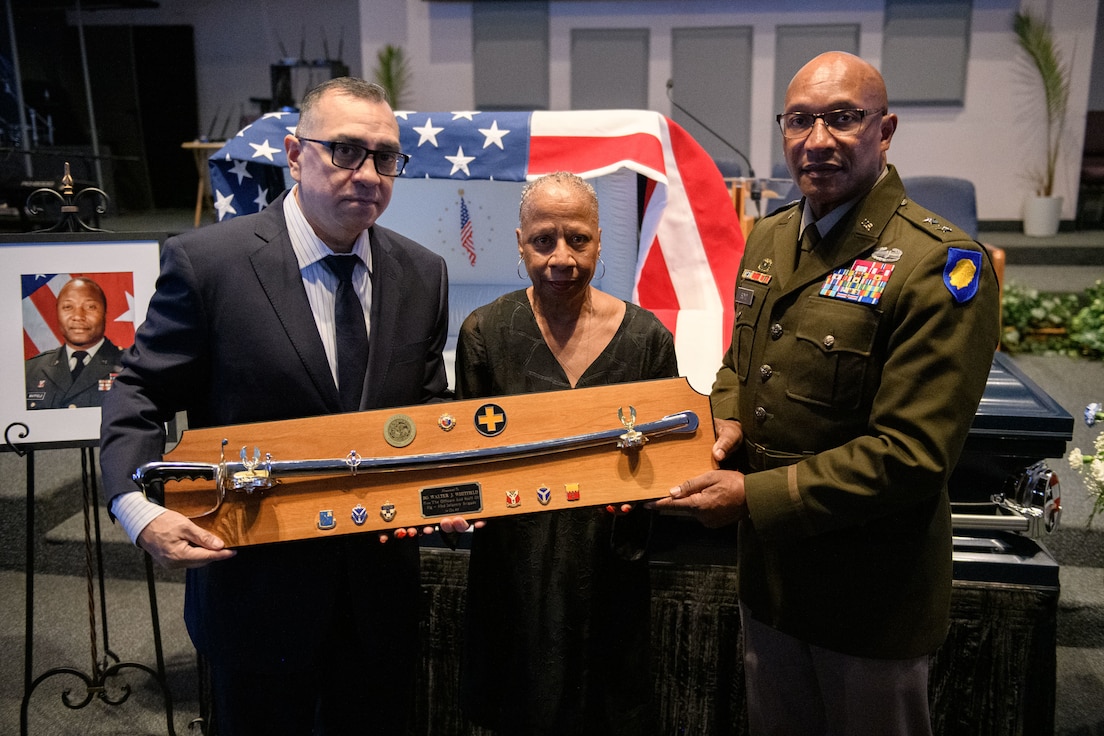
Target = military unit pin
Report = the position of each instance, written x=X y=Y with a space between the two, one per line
x=490 y=420
x=360 y=514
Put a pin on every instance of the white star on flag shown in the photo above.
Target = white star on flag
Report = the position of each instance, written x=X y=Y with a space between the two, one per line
x=262 y=199
x=264 y=150
x=241 y=169
x=223 y=205
x=128 y=315
x=464 y=114
x=460 y=161
x=493 y=135
x=427 y=133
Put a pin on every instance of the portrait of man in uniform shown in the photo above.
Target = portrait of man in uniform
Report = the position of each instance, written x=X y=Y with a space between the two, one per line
x=81 y=369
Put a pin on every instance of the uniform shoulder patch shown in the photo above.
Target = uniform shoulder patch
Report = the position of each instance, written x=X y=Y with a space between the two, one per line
x=962 y=274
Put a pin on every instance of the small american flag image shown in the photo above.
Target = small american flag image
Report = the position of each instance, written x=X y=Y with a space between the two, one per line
x=467 y=235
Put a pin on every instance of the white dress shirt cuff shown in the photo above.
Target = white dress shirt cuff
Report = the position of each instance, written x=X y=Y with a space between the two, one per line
x=134 y=512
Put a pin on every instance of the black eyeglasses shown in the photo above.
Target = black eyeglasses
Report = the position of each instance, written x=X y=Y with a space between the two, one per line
x=351 y=156
x=841 y=122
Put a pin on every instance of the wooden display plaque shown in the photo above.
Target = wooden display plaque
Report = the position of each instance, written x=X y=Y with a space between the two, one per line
x=408 y=466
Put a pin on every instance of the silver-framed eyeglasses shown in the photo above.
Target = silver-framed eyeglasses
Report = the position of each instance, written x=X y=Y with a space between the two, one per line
x=345 y=155
x=839 y=122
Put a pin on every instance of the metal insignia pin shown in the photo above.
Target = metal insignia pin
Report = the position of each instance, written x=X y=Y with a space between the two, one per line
x=867 y=224
x=572 y=490
x=887 y=255
x=513 y=499
x=446 y=422
x=399 y=430
x=490 y=420
x=544 y=495
x=359 y=514
x=326 y=520
x=387 y=511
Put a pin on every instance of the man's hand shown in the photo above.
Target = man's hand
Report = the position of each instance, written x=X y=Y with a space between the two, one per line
x=715 y=498
x=174 y=542
x=730 y=435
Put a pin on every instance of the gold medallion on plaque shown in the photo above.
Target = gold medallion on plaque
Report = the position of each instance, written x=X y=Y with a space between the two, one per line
x=399 y=430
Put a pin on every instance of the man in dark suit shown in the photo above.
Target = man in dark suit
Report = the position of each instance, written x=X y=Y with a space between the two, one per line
x=246 y=325
x=864 y=333
x=78 y=373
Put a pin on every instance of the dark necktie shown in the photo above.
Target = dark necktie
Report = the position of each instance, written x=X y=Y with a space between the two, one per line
x=810 y=238
x=80 y=355
x=352 y=333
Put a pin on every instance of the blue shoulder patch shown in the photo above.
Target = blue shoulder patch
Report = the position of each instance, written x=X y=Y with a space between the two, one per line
x=962 y=274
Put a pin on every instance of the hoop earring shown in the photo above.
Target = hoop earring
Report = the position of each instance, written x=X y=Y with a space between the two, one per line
x=521 y=275
x=603 y=265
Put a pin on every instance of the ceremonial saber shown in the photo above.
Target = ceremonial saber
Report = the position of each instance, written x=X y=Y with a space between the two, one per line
x=253 y=475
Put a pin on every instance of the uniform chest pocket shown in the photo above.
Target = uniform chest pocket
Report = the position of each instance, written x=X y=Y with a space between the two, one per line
x=749 y=305
x=835 y=342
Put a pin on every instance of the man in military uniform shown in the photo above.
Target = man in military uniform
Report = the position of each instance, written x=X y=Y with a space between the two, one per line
x=864 y=332
x=80 y=372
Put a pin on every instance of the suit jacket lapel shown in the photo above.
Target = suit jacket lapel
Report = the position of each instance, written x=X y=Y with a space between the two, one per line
x=277 y=271
x=387 y=274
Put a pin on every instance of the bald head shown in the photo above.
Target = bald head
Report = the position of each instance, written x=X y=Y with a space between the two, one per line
x=837 y=70
x=81 y=313
x=831 y=167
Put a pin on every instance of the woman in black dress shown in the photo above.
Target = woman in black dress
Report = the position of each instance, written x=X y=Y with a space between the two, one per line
x=557 y=616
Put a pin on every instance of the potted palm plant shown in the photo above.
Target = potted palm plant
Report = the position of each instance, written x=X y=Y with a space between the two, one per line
x=1035 y=37
x=393 y=74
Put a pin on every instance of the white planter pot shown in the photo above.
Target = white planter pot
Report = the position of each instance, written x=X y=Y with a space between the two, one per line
x=1042 y=215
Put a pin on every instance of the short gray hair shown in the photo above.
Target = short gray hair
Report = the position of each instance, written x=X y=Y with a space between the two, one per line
x=565 y=178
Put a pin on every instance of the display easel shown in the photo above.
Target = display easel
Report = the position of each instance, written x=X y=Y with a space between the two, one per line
x=105 y=665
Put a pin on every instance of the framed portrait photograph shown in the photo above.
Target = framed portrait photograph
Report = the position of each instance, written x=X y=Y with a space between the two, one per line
x=74 y=301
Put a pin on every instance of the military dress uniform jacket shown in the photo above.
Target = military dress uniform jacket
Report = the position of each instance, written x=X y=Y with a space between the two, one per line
x=50 y=385
x=856 y=377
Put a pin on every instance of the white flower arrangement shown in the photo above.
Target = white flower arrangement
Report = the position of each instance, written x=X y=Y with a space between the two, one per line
x=1091 y=467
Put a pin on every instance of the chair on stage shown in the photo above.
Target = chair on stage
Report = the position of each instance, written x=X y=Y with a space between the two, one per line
x=955 y=200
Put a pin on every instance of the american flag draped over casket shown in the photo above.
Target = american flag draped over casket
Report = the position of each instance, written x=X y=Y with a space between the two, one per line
x=690 y=237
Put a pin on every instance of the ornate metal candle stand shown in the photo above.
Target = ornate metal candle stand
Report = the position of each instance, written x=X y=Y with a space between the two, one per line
x=70 y=203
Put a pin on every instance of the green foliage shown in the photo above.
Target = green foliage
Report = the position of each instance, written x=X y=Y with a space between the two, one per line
x=1087 y=326
x=393 y=74
x=1036 y=38
x=1070 y=324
